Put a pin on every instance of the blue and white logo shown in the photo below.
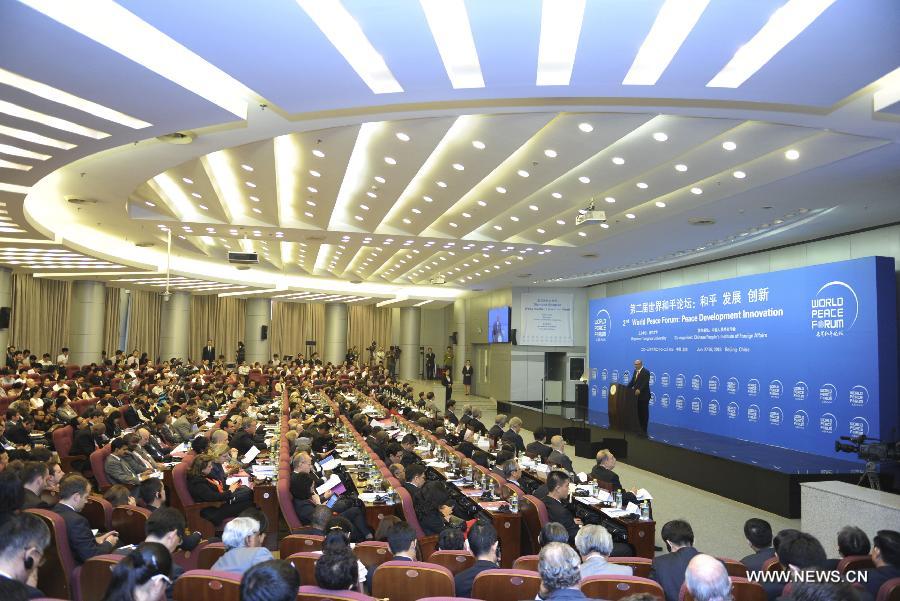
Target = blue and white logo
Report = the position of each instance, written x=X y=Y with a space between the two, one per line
x=696 y=382
x=593 y=373
x=732 y=386
x=664 y=380
x=601 y=326
x=801 y=391
x=626 y=377
x=827 y=423
x=713 y=407
x=604 y=392
x=834 y=309
x=827 y=393
x=801 y=419
x=664 y=401
x=679 y=403
x=733 y=410
x=652 y=378
x=859 y=396
x=753 y=414
x=776 y=416
x=753 y=387
x=614 y=376
x=713 y=384
x=695 y=405
x=679 y=381
x=594 y=390
x=775 y=389
x=652 y=399
x=859 y=426
x=604 y=374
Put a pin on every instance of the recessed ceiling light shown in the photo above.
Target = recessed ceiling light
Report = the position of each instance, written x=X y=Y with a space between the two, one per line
x=785 y=24
x=481 y=203
x=533 y=207
x=246 y=167
x=681 y=167
x=318 y=153
x=792 y=155
x=390 y=160
x=513 y=218
x=610 y=199
x=660 y=204
x=187 y=180
x=739 y=174
x=250 y=184
x=311 y=203
x=149 y=204
x=308 y=214
x=729 y=145
x=630 y=215
x=402 y=136
x=364 y=207
x=314 y=173
x=603 y=225
x=427 y=199
x=696 y=190
x=618 y=161
x=586 y=127
x=522 y=173
x=256 y=210
x=478 y=144
x=584 y=179
x=458 y=166
x=556 y=195
x=406 y=221
x=442 y=184
x=358 y=217
x=582 y=234
x=453 y=224
x=550 y=153
x=379 y=179
x=371 y=195
x=500 y=189
x=561 y=221
x=541 y=230
x=196 y=195
x=660 y=136
x=311 y=189
x=417 y=211
x=498 y=228
x=204 y=207
x=254 y=198
x=641 y=185
x=448 y=21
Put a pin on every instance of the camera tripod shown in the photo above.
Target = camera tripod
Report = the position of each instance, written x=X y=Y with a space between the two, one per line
x=871 y=475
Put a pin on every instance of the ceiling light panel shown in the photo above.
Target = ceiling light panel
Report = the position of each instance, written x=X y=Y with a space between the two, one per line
x=111 y=25
x=345 y=33
x=785 y=24
x=560 y=30
x=21 y=112
x=29 y=136
x=448 y=21
x=674 y=21
x=259 y=205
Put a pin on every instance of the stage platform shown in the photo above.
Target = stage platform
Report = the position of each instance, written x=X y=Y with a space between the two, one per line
x=763 y=476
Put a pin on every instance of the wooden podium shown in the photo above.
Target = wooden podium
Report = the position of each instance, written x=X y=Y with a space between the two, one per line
x=623 y=413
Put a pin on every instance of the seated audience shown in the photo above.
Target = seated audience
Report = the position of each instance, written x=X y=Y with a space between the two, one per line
x=484 y=546
x=74 y=490
x=886 y=556
x=557 y=493
x=402 y=542
x=668 y=570
x=553 y=532
x=707 y=579
x=759 y=536
x=204 y=488
x=34 y=476
x=594 y=544
x=558 y=454
x=513 y=437
x=539 y=448
x=23 y=540
x=852 y=541
x=119 y=495
x=451 y=539
x=337 y=568
x=274 y=580
x=558 y=567
x=243 y=540
x=143 y=575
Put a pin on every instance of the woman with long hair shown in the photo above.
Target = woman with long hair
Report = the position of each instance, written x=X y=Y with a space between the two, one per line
x=143 y=575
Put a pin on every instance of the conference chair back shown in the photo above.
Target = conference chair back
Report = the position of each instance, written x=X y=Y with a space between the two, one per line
x=305 y=564
x=131 y=524
x=455 y=561
x=95 y=576
x=526 y=562
x=209 y=555
x=98 y=512
x=506 y=585
x=54 y=575
x=411 y=580
x=889 y=591
x=640 y=566
x=98 y=460
x=300 y=543
x=314 y=593
x=208 y=585
x=734 y=567
x=613 y=588
x=372 y=553
x=855 y=562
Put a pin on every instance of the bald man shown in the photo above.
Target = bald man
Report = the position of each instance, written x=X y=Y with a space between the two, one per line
x=640 y=384
x=558 y=454
x=707 y=579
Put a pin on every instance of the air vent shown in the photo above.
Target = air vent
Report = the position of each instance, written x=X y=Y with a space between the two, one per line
x=590 y=256
x=81 y=201
x=176 y=138
x=702 y=221
x=315 y=238
x=144 y=244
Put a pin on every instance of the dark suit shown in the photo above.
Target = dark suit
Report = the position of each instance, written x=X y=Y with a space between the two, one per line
x=208 y=354
x=204 y=491
x=130 y=416
x=557 y=512
x=447 y=383
x=451 y=417
x=466 y=578
x=414 y=492
x=33 y=501
x=516 y=439
x=604 y=475
x=477 y=426
x=243 y=441
x=755 y=561
x=539 y=449
x=641 y=381
x=668 y=570
x=879 y=576
x=560 y=459
x=81 y=539
x=14 y=589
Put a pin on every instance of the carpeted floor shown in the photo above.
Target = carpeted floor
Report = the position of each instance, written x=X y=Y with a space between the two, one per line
x=717 y=521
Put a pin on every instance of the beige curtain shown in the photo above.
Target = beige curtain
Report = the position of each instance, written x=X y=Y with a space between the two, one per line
x=40 y=314
x=366 y=323
x=111 y=321
x=220 y=319
x=295 y=323
x=144 y=317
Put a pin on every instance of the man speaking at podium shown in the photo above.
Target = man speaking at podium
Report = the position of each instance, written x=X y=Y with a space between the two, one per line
x=640 y=384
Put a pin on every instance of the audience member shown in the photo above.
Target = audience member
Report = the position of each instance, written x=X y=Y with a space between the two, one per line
x=758 y=533
x=852 y=541
x=23 y=540
x=484 y=546
x=34 y=476
x=243 y=540
x=143 y=575
x=402 y=542
x=74 y=490
x=273 y=580
x=668 y=570
x=451 y=539
x=558 y=567
x=886 y=557
x=557 y=492
x=594 y=543
x=539 y=447
x=558 y=455
x=707 y=579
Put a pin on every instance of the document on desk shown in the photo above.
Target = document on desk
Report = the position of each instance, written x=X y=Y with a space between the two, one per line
x=250 y=455
x=333 y=484
x=613 y=512
x=643 y=495
x=330 y=463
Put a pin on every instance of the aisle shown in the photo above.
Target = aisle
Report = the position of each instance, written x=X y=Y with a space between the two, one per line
x=717 y=522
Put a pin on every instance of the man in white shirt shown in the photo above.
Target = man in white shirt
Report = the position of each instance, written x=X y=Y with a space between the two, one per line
x=63 y=357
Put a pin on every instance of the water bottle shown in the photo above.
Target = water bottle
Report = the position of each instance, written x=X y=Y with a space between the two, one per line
x=514 y=503
x=618 y=498
x=645 y=511
x=484 y=482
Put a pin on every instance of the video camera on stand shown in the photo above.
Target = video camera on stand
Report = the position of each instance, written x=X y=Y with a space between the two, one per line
x=872 y=451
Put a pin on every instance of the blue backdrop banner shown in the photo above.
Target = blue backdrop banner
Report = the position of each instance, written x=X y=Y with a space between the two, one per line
x=791 y=358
